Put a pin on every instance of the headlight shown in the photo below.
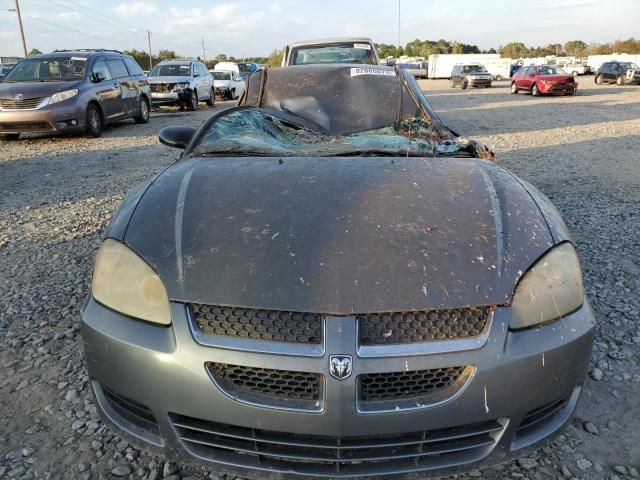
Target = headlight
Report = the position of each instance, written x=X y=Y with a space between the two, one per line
x=124 y=282
x=551 y=289
x=60 y=96
x=180 y=86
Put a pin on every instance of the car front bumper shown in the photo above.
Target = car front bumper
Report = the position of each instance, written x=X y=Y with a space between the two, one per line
x=170 y=98
x=558 y=88
x=159 y=372
x=480 y=82
x=62 y=117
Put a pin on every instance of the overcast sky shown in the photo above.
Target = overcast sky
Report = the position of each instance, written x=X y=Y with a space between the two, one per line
x=255 y=28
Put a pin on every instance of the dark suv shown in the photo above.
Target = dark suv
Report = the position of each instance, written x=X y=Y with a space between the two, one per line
x=620 y=73
x=72 y=92
x=470 y=76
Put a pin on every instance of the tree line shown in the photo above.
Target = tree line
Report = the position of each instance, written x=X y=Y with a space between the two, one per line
x=423 y=48
x=576 y=48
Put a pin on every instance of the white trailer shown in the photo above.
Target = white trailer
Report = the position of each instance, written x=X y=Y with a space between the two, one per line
x=595 y=61
x=440 y=65
x=499 y=68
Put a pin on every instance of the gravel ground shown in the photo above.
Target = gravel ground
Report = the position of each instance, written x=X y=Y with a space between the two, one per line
x=58 y=193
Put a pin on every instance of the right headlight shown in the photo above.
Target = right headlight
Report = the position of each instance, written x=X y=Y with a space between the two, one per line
x=550 y=289
x=124 y=282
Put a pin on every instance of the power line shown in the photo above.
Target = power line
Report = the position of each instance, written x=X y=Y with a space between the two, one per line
x=110 y=21
x=75 y=31
x=102 y=20
x=113 y=19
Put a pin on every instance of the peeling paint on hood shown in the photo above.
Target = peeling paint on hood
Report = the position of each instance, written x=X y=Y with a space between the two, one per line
x=338 y=235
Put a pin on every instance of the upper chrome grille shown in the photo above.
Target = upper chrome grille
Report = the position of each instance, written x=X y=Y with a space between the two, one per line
x=161 y=87
x=423 y=326
x=26 y=104
x=272 y=325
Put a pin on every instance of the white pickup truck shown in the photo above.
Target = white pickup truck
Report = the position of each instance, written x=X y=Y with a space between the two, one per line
x=575 y=69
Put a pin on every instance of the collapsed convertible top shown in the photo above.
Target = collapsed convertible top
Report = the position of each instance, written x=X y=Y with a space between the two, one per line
x=343 y=99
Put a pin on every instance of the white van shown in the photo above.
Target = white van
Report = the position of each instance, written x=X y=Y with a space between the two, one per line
x=227 y=66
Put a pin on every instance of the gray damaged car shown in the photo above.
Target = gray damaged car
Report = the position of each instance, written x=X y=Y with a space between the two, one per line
x=331 y=283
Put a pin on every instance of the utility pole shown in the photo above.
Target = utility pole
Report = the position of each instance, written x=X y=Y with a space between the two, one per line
x=204 y=51
x=398 y=24
x=24 y=43
x=150 y=57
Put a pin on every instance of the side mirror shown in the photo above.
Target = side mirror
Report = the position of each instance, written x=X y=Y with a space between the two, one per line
x=98 y=77
x=176 y=137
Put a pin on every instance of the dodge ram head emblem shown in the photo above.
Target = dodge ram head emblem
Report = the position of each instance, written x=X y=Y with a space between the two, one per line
x=340 y=366
x=18 y=97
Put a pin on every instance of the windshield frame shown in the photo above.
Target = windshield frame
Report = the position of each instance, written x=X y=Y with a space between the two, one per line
x=172 y=64
x=228 y=73
x=370 y=55
x=473 y=69
x=556 y=67
x=49 y=59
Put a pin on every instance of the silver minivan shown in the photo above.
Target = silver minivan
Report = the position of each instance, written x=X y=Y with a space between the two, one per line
x=72 y=91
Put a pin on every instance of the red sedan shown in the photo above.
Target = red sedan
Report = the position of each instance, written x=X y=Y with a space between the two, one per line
x=543 y=80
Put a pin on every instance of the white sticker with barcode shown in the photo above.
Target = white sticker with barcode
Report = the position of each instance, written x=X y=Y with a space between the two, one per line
x=356 y=71
x=80 y=59
x=363 y=46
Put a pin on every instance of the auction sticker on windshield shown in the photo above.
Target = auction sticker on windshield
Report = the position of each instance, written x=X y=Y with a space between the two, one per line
x=355 y=71
x=363 y=46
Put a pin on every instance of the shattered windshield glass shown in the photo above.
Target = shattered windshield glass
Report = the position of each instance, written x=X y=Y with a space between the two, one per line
x=258 y=132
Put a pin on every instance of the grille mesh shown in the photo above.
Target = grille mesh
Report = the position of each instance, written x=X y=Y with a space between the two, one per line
x=284 y=388
x=132 y=411
x=414 y=327
x=272 y=325
x=161 y=87
x=376 y=387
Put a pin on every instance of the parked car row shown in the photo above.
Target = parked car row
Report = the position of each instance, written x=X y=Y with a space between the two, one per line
x=82 y=91
x=546 y=79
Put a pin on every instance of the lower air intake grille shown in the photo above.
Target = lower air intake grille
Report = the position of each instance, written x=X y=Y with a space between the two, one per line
x=25 y=126
x=410 y=389
x=131 y=411
x=332 y=456
x=269 y=387
x=271 y=325
x=539 y=416
x=427 y=326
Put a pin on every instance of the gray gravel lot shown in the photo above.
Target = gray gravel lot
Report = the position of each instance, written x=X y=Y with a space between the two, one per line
x=58 y=193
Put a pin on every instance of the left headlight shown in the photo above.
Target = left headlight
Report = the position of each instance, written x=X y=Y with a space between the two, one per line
x=60 y=96
x=550 y=289
x=124 y=282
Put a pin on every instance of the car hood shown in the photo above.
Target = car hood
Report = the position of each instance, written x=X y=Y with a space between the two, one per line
x=153 y=80
x=338 y=235
x=221 y=83
x=35 y=89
